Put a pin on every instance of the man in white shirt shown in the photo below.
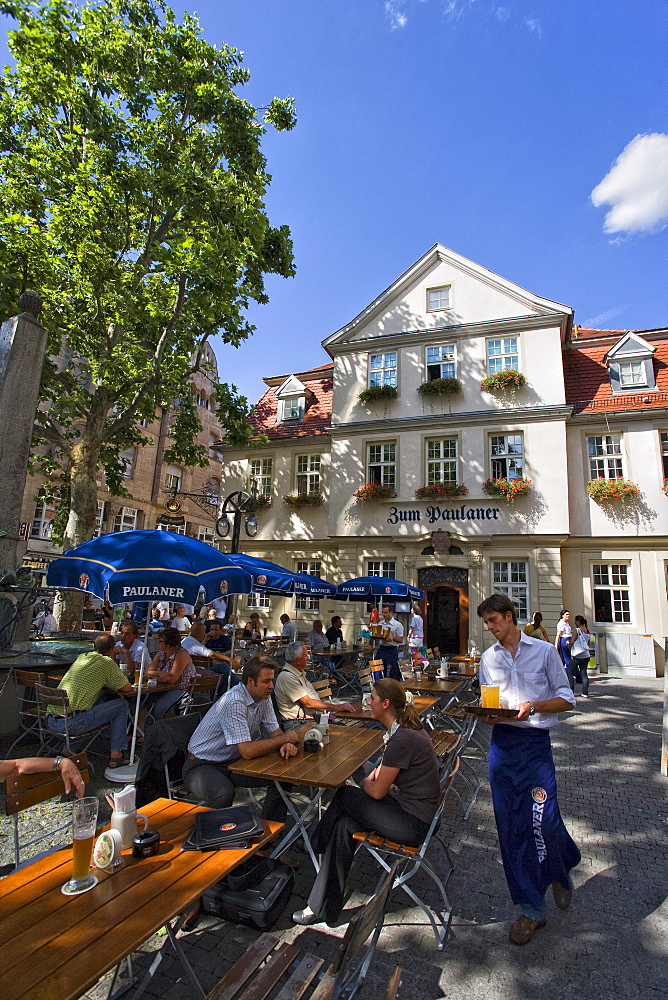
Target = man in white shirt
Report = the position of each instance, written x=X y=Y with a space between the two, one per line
x=219 y=605
x=388 y=651
x=127 y=651
x=536 y=849
x=289 y=629
x=296 y=697
x=163 y=608
x=180 y=622
x=219 y=663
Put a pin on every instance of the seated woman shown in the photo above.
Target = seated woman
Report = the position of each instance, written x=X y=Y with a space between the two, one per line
x=398 y=800
x=536 y=629
x=170 y=665
x=252 y=631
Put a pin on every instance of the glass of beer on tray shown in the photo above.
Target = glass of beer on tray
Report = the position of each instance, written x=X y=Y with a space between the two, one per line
x=489 y=695
x=84 y=822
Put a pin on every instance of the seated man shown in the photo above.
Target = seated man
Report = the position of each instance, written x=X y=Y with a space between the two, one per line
x=289 y=632
x=88 y=677
x=219 y=663
x=334 y=633
x=127 y=651
x=316 y=638
x=296 y=697
x=216 y=639
x=241 y=724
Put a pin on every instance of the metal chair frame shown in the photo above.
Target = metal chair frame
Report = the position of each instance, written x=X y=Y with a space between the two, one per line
x=27 y=708
x=48 y=738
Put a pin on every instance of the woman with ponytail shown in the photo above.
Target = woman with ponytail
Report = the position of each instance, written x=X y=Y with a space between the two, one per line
x=397 y=800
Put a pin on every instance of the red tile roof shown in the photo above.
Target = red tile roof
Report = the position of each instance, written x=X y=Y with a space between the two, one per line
x=587 y=379
x=316 y=420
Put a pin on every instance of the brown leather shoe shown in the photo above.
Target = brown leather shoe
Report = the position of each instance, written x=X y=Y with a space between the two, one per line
x=562 y=897
x=524 y=929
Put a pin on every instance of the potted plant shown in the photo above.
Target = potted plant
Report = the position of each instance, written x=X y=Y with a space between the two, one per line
x=609 y=490
x=506 y=381
x=440 y=387
x=296 y=500
x=436 y=491
x=508 y=489
x=262 y=501
x=375 y=491
x=375 y=392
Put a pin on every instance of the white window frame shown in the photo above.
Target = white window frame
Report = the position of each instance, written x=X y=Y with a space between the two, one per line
x=617 y=583
x=173 y=477
x=506 y=452
x=129 y=459
x=307 y=476
x=258 y=602
x=206 y=535
x=383 y=369
x=384 y=461
x=442 y=460
x=99 y=519
x=382 y=567
x=503 y=353
x=42 y=522
x=126 y=519
x=292 y=408
x=439 y=298
x=443 y=357
x=632 y=374
x=605 y=456
x=176 y=529
x=261 y=473
x=663 y=444
x=306 y=602
x=515 y=586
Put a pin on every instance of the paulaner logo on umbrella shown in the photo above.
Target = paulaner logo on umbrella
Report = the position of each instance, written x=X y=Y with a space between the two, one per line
x=261 y=579
x=84 y=580
x=388 y=590
x=223 y=586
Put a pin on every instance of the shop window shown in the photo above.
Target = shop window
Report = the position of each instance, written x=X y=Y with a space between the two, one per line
x=502 y=353
x=383 y=370
x=610 y=585
x=382 y=466
x=512 y=579
x=507 y=456
x=605 y=456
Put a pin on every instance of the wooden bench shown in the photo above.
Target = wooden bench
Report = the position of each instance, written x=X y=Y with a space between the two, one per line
x=271 y=970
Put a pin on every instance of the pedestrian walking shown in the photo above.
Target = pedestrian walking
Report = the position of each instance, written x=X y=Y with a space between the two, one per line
x=562 y=640
x=580 y=651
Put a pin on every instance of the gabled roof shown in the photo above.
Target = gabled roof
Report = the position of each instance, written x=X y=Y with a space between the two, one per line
x=629 y=346
x=317 y=417
x=322 y=371
x=587 y=378
x=527 y=302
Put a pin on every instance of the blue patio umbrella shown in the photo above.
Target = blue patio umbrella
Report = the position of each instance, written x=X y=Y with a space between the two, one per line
x=362 y=588
x=305 y=583
x=147 y=566
x=267 y=576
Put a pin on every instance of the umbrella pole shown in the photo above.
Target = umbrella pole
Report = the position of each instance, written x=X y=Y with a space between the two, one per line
x=144 y=657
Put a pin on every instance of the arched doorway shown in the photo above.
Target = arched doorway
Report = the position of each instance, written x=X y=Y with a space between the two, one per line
x=447 y=611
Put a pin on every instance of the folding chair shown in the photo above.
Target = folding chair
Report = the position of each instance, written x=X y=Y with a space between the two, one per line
x=323 y=689
x=201 y=693
x=26 y=790
x=387 y=852
x=262 y=970
x=48 y=739
x=27 y=705
x=164 y=751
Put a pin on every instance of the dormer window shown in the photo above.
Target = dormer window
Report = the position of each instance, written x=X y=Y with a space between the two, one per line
x=292 y=408
x=293 y=398
x=630 y=363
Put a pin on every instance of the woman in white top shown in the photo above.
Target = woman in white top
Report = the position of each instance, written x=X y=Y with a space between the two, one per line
x=562 y=641
x=416 y=629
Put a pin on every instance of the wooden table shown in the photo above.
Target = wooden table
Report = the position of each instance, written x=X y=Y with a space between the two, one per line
x=55 y=948
x=428 y=685
x=349 y=747
x=421 y=702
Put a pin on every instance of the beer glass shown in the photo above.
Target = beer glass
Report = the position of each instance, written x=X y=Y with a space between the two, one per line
x=84 y=822
x=489 y=695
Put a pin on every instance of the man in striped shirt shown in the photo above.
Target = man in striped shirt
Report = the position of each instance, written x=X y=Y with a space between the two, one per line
x=240 y=724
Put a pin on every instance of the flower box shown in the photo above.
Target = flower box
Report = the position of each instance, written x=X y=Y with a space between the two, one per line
x=440 y=490
x=386 y=392
x=262 y=501
x=506 y=381
x=608 y=490
x=665 y=486
x=440 y=387
x=303 y=500
x=507 y=488
x=375 y=491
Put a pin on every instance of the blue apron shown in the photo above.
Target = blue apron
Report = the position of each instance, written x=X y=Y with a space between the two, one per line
x=536 y=847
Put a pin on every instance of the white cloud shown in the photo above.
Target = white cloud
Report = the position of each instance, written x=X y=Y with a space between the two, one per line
x=636 y=187
x=595 y=321
x=396 y=15
x=533 y=24
x=456 y=8
x=503 y=13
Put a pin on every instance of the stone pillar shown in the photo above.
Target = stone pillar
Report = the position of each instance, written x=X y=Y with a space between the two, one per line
x=22 y=347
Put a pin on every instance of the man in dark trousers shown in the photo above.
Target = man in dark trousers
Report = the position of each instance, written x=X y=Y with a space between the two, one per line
x=536 y=849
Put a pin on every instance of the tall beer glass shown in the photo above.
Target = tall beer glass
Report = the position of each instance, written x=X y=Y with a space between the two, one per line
x=84 y=822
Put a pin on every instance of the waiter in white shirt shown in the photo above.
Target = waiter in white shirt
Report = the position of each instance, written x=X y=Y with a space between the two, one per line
x=388 y=651
x=219 y=605
x=536 y=848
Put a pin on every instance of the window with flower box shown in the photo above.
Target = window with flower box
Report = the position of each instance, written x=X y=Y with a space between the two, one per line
x=382 y=464
x=383 y=370
x=605 y=456
x=507 y=456
x=261 y=471
x=306 y=602
x=441 y=362
x=610 y=586
x=308 y=474
x=511 y=578
x=442 y=461
x=502 y=354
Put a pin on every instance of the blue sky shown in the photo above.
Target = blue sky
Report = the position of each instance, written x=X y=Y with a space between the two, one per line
x=484 y=125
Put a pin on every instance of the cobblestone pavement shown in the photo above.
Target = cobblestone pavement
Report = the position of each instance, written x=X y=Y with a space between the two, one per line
x=612 y=941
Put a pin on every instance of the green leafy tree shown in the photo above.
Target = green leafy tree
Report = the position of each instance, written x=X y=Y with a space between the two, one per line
x=131 y=196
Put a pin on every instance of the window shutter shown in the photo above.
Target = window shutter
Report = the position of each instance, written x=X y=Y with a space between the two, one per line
x=614 y=377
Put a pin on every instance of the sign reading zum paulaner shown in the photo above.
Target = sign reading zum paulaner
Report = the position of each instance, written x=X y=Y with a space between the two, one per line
x=432 y=513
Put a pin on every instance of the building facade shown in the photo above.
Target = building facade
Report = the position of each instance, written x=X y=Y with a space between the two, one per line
x=400 y=407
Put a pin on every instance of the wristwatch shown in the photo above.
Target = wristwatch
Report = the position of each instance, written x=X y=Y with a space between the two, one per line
x=532 y=708
x=56 y=764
